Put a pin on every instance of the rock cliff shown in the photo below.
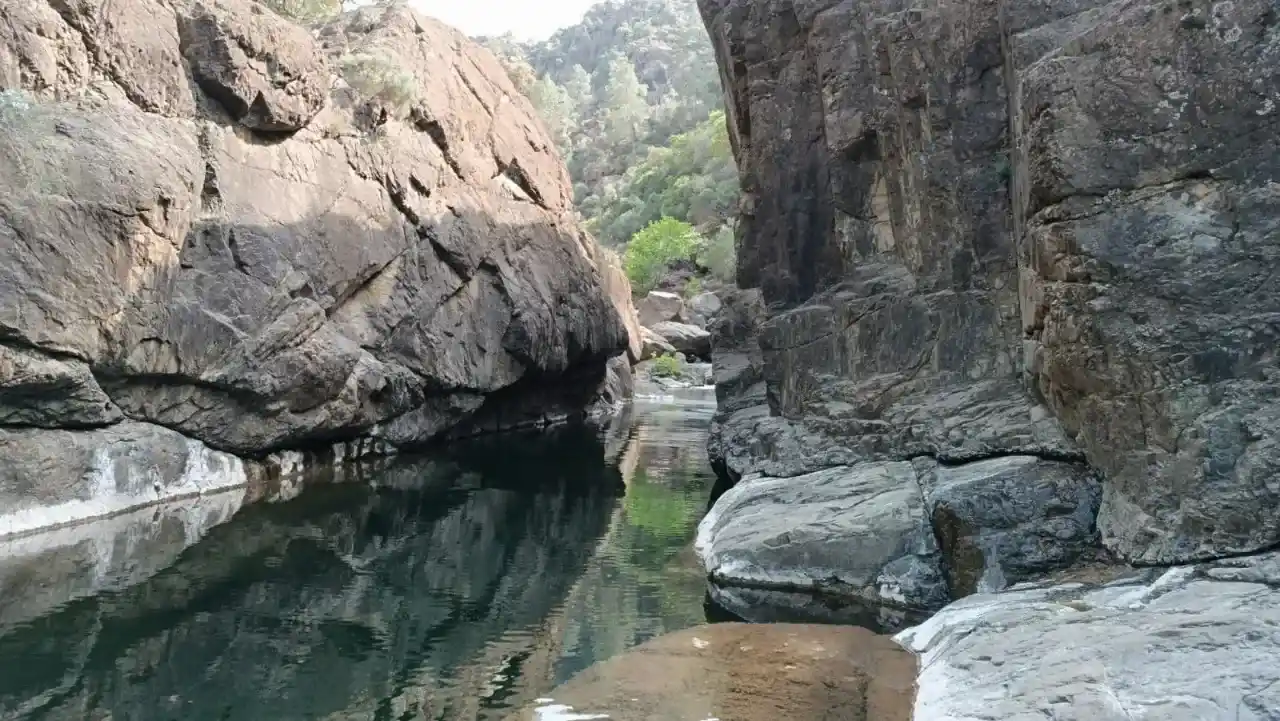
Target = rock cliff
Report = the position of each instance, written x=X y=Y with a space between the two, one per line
x=1012 y=275
x=224 y=235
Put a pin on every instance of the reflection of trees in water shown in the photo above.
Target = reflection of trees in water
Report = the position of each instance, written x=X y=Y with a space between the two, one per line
x=341 y=600
x=457 y=589
x=644 y=579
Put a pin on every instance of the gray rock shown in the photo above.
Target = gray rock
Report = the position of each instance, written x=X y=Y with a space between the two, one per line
x=1192 y=643
x=262 y=259
x=702 y=309
x=685 y=338
x=659 y=307
x=267 y=72
x=1009 y=519
x=53 y=478
x=937 y=228
x=36 y=390
x=859 y=532
x=911 y=534
x=654 y=345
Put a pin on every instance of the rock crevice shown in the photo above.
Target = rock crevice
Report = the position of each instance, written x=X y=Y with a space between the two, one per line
x=983 y=231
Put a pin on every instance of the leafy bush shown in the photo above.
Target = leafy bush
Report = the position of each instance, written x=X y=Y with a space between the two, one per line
x=667 y=366
x=653 y=249
x=719 y=255
x=377 y=77
x=693 y=287
x=306 y=11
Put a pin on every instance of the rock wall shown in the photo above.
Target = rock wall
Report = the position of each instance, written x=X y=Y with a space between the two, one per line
x=261 y=237
x=1010 y=228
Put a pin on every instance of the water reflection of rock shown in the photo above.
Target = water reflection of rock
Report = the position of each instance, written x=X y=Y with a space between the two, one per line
x=348 y=602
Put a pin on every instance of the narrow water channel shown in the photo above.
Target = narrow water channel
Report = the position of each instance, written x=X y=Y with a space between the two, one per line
x=454 y=587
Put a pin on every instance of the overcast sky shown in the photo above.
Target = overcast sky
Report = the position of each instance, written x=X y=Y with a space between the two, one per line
x=527 y=19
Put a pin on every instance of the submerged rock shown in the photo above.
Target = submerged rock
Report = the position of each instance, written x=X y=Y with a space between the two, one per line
x=743 y=672
x=1187 y=643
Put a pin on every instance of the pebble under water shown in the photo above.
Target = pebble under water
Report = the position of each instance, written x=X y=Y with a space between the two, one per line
x=455 y=586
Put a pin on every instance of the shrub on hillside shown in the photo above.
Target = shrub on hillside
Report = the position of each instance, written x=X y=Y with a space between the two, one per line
x=654 y=248
x=719 y=255
x=377 y=77
x=305 y=10
x=667 y=366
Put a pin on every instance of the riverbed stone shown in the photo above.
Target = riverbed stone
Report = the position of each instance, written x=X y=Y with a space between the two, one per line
x=1191 y=642
x=702 y=309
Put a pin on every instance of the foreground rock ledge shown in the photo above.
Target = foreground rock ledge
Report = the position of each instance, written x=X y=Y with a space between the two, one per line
x=1191 y=643
x=743 y=672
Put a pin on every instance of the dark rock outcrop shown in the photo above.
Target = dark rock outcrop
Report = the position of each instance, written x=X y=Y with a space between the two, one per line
x=217 y=223
x=993 y=229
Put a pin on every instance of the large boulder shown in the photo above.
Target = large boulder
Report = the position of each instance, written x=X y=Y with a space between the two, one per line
x=702 y=309
x=654 y=345
x=363 y=232
x=685 y=338
x=659 y=307
x=1045 y=231
x=906 y=534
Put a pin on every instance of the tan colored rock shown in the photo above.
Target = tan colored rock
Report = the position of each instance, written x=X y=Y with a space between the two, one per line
x=659 y=307
x=744 y=672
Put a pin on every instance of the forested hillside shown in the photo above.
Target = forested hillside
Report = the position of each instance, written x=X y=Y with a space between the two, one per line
x=633 y=98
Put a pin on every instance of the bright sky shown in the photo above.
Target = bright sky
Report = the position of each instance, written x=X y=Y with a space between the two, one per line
x=526 y=19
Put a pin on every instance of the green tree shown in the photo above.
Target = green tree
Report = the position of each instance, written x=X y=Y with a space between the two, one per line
x=558 y=110
x=656 y=247
x=624 y=105
x=719 y=255
x=306 y=10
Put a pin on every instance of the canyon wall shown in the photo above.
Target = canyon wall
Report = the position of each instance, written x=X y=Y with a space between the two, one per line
x=1014 y=259
x=225 y=235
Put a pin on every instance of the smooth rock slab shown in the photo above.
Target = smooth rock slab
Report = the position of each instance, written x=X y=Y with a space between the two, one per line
x=872 y=531
x=1193 y=644
x=859 y=531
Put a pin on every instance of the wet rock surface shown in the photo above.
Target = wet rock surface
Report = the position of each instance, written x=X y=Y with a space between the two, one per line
x=743 y=672
x=260 y=251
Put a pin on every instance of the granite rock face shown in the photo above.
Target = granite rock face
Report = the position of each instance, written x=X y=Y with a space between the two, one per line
x=260 y=249
x=1048 y=230
x=1192 y=642
x=659 y=307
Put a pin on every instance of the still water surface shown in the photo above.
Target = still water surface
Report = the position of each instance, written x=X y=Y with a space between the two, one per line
x=454 y=587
